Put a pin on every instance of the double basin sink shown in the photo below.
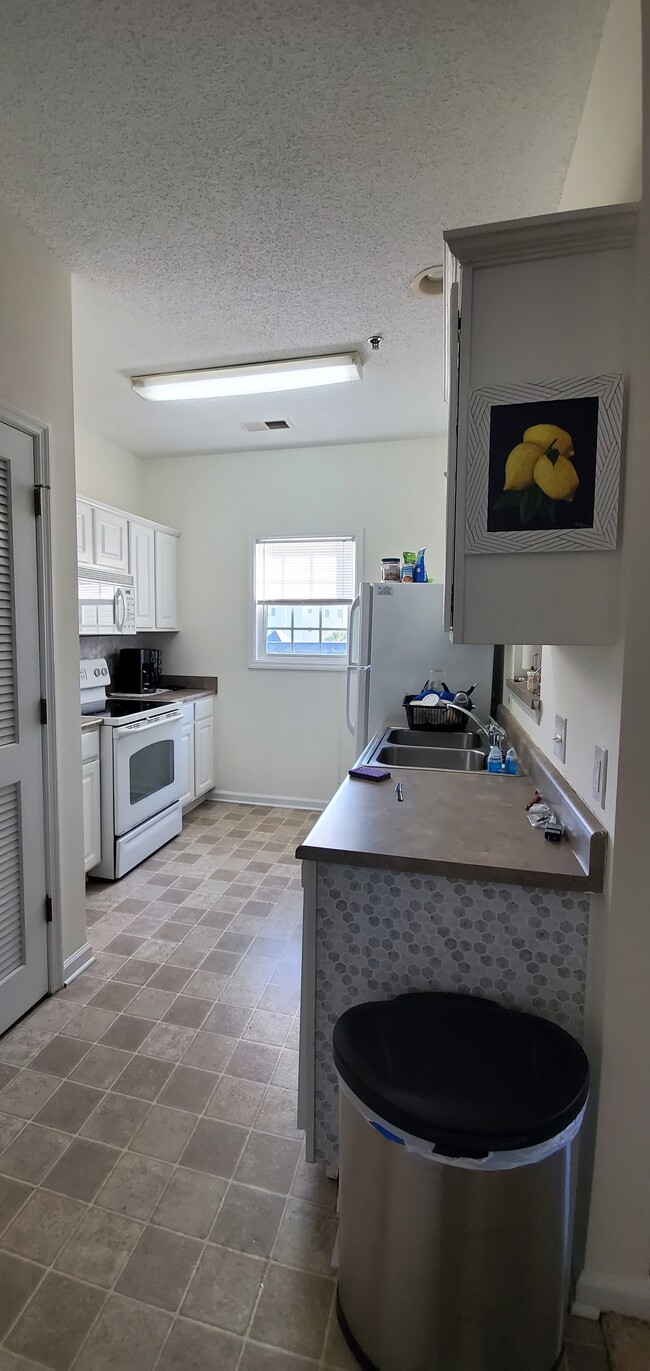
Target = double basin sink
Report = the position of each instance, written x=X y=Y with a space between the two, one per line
x=462 y=751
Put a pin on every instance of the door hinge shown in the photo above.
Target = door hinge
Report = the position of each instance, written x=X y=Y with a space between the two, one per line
x=43 y=711
x=48 y=909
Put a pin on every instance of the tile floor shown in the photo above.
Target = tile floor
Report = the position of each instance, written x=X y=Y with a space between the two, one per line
x=155 y=1207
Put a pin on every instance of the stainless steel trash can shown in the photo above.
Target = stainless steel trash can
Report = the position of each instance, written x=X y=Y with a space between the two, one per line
x=458 y=1128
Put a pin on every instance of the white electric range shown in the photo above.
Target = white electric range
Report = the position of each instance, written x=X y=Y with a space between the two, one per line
x=139 y=752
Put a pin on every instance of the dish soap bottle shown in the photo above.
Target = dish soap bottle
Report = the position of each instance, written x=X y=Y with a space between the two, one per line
x=512 y=762
x=495 y=758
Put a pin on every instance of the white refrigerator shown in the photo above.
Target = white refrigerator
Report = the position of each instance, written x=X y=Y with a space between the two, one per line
x=396 y=643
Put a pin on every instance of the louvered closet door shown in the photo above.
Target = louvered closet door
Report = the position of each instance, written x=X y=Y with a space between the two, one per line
x=23 y=931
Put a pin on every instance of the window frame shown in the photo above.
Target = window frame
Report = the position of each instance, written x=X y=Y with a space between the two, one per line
x=259 y=659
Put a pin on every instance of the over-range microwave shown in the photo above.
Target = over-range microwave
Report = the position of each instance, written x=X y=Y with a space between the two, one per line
x=106 y=602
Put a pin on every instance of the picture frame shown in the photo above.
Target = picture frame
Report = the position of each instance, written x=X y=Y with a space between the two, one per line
x=569 y=501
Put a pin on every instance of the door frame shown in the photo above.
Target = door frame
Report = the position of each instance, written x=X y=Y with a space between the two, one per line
x=40 y=435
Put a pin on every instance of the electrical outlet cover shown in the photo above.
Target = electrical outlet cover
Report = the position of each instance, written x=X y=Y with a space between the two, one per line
x=559 y=738
x=600 y=774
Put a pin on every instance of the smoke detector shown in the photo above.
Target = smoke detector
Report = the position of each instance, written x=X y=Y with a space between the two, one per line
x=428 y=282
x=266 y=425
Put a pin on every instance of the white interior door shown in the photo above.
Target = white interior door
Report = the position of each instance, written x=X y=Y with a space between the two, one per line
x=23 y=930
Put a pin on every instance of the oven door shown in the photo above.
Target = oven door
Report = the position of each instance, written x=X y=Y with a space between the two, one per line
x=146 y=768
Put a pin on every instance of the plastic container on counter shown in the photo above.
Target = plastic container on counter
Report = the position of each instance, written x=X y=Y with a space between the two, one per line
x=391 y=568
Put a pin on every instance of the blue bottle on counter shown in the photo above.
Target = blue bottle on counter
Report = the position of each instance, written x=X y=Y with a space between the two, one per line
x=495 y=758
x=512 y=762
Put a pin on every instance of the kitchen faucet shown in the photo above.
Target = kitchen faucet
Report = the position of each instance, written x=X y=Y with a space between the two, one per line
x=493 y=732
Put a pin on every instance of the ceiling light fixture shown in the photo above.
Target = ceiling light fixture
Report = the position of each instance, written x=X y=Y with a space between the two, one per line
x=253 y=378
x=428 y=282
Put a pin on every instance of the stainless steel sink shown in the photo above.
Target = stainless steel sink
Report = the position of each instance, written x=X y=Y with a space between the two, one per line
x=408 y=737
x=430 y=758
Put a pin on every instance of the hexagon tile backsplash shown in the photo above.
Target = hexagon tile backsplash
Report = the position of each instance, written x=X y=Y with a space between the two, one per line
x=380 y=933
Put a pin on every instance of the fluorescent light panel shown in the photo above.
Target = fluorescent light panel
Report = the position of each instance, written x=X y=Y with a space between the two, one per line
x=254 y=378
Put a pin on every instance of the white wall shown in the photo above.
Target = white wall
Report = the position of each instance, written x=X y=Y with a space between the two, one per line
x=109 y=473
x=282 y=733
x=36 y=377
x=605 y=168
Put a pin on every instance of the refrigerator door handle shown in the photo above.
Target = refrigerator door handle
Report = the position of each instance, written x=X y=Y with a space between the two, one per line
x=352 y=666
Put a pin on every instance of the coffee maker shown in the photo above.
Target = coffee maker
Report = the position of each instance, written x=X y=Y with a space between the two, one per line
x=140 y=670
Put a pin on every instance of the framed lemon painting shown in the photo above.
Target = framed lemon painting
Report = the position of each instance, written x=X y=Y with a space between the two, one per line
x=543 y=466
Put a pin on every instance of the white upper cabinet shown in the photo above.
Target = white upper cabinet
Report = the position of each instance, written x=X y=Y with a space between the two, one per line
x=165 y=564
x=532 y=301
x=84 y=533
x=111 y=539
x=142 y=565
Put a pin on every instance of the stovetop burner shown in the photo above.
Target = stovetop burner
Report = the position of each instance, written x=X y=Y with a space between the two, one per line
x=118 y=709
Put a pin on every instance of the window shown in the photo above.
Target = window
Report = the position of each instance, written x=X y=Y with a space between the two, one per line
x=303 y=591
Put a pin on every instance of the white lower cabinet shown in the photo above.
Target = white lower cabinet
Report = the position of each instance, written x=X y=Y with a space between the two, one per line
x=197 y=750
x=187 y=763
x=91 y=799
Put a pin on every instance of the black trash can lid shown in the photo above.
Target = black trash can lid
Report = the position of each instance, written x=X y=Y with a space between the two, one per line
x=463 y=1072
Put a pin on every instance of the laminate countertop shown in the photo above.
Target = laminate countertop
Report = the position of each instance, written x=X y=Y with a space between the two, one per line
x=89 y=722
x=179 y=695
x=470 y=825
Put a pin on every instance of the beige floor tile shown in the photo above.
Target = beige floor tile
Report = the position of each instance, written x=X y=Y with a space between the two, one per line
x=191 y=1347
x=99 y=1248
x=135 y=1186
x=53 y=1014
x=30 y=1156
x=189 y=1088
x=12 y=1198
x=100 y=1066
x=136 y=972
x=188 y=1011
x=170 y=978
x=150 y=1003
x=187 y=957
x=10 y=1127
x=18 y=1280
x=69 y=1107
x=278 y=1112
x=190 y=1202
x=164 y=1133
x=27 y=1093
x=253 y=1061
x=89 y=1024
x=228 y=1020
x=160 y=1267
x=54 y=1324
x=265 y=1027
x=286 y=1071
x=258 y=1358
x=248 y=1220
x=60 y=1056
x=211 y=1051
x=114 y=995
x=144 y=1077
x=127 y=1337
x=43 y=1225
x=235 y=1100
x=82 y=1169
x=18 y=1047
x=215 y=1147
x=269 y=1162
x=115 y=1120
x=306 y=1237
x=312 y=1183
x=224 y=1289
x=168 y=1041
x=293 y=1311
x=280 y=999
x=128 y=1032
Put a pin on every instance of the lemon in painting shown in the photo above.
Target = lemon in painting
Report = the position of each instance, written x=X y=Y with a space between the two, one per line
x=559 y=479
x=520 y=464
x=549 y=435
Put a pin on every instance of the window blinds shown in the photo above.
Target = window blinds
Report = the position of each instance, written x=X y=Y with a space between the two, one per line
x=299 y=570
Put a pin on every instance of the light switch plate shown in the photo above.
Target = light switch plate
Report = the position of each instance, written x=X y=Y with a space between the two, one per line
x=559 y=738
x=599 y=785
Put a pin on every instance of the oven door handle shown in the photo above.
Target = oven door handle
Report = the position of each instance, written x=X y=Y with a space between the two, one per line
x=126 y=729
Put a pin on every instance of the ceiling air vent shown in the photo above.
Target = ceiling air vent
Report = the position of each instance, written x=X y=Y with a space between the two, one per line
x=266 y=425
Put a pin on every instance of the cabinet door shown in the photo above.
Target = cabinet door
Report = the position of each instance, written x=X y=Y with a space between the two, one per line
x=203 y=756
x=92 y=814
x=165 y=560
x=187 y=763
x=111 y=538
x=141 y=553
x=84 y=533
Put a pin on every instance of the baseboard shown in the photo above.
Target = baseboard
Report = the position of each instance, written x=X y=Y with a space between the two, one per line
x=235 y=797
x=78 y=962
x=598 y=1293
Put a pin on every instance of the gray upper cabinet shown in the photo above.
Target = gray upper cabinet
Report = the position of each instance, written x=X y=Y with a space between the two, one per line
x=535 y=300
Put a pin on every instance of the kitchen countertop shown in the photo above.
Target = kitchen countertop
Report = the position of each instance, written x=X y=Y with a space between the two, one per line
x=90 y=722
x=166 y=697
x=470 y=825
